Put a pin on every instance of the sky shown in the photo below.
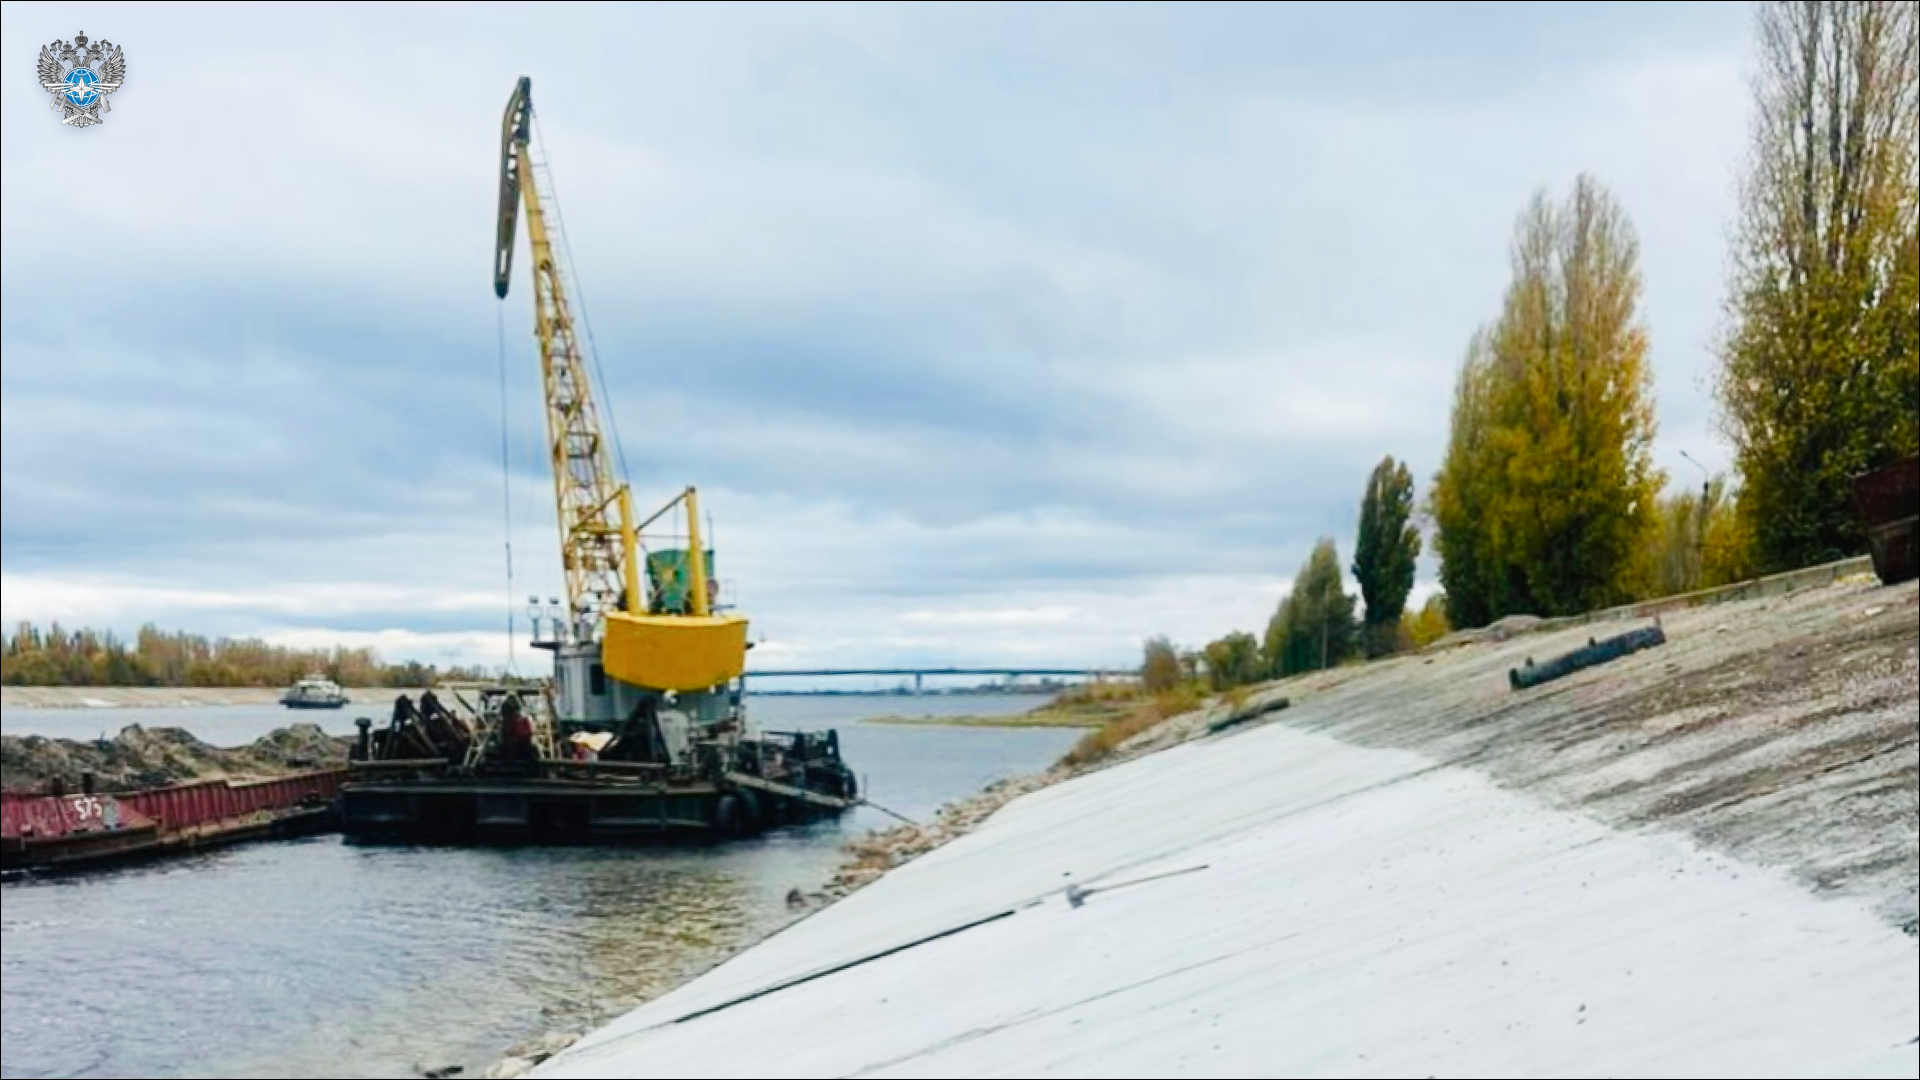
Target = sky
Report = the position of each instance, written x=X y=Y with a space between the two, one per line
x=989 y=334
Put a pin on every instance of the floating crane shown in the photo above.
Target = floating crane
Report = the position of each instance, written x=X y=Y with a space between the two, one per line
x=611 y=623
x=647 y=675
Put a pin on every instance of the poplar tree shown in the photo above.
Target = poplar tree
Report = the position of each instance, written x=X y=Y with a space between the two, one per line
x=1313 y=627
x=1547 y=491
x=1820 y=367
x=1386 y=552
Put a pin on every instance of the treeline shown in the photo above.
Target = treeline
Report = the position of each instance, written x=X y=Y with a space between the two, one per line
x=61 y=657
x=1547 y=501
x=1318 y=624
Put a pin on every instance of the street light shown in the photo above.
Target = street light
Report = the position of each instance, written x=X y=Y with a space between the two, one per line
x=1700 y=532
x=1706 y=486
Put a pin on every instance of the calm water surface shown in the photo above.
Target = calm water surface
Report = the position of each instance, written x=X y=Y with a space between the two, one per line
x=318 y=958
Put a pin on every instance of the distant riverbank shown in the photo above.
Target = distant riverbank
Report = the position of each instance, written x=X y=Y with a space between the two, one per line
x=1041 y=717
x=110 y=697
x=114 y=697
x=1089 y=706
x=1051 y=714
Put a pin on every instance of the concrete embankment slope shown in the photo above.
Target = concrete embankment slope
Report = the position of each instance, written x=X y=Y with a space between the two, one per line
x=1696 y=861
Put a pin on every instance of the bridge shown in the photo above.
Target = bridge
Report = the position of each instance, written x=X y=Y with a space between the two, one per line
x=920 y=674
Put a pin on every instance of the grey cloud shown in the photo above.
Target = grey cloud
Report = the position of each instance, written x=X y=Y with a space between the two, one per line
x=1027 y=299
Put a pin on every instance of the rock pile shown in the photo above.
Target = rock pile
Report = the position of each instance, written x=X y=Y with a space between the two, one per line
x=521 y=1059
x=876 y=853
x=141 y=757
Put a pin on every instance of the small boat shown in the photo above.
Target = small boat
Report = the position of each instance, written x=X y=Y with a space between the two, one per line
x=316 y=691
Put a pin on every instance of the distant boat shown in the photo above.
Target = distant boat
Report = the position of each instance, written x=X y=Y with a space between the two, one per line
x=316 y=691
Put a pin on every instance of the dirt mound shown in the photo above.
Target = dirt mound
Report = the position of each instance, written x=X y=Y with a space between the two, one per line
x=142 y=757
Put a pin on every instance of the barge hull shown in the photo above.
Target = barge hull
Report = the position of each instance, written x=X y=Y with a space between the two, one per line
x=535 y=812
x=48 y=832
x=93 y=851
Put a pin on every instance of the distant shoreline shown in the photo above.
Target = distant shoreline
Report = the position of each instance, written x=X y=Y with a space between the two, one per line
x=1041 y=717
x=160 y=697
x=1037 y=691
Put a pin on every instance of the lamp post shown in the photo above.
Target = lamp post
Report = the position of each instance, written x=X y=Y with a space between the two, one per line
x=1700 y=531
x=1706 y=485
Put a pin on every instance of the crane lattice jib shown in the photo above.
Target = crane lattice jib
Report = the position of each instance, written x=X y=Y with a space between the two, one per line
x=597 y=542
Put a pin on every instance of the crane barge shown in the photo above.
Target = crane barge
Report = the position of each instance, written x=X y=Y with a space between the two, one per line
x=642 y=730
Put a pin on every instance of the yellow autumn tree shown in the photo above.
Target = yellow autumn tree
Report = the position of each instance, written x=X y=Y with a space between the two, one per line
x=1698 y=541
x=1429 y=624
x=1547 y=490
x=1479 y=585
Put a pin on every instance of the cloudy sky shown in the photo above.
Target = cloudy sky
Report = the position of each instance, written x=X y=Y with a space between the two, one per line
x=990 y=334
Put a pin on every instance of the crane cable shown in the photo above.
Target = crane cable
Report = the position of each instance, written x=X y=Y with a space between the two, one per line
x=586 y=321
x=506 y=481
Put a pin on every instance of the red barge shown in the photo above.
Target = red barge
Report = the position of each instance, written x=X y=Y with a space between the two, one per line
x=41 y=831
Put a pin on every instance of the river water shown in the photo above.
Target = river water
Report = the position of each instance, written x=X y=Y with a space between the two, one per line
x=318 y=958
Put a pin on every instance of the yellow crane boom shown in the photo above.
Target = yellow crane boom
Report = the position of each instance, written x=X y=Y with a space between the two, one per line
x=598 y=546
x=611 y=628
